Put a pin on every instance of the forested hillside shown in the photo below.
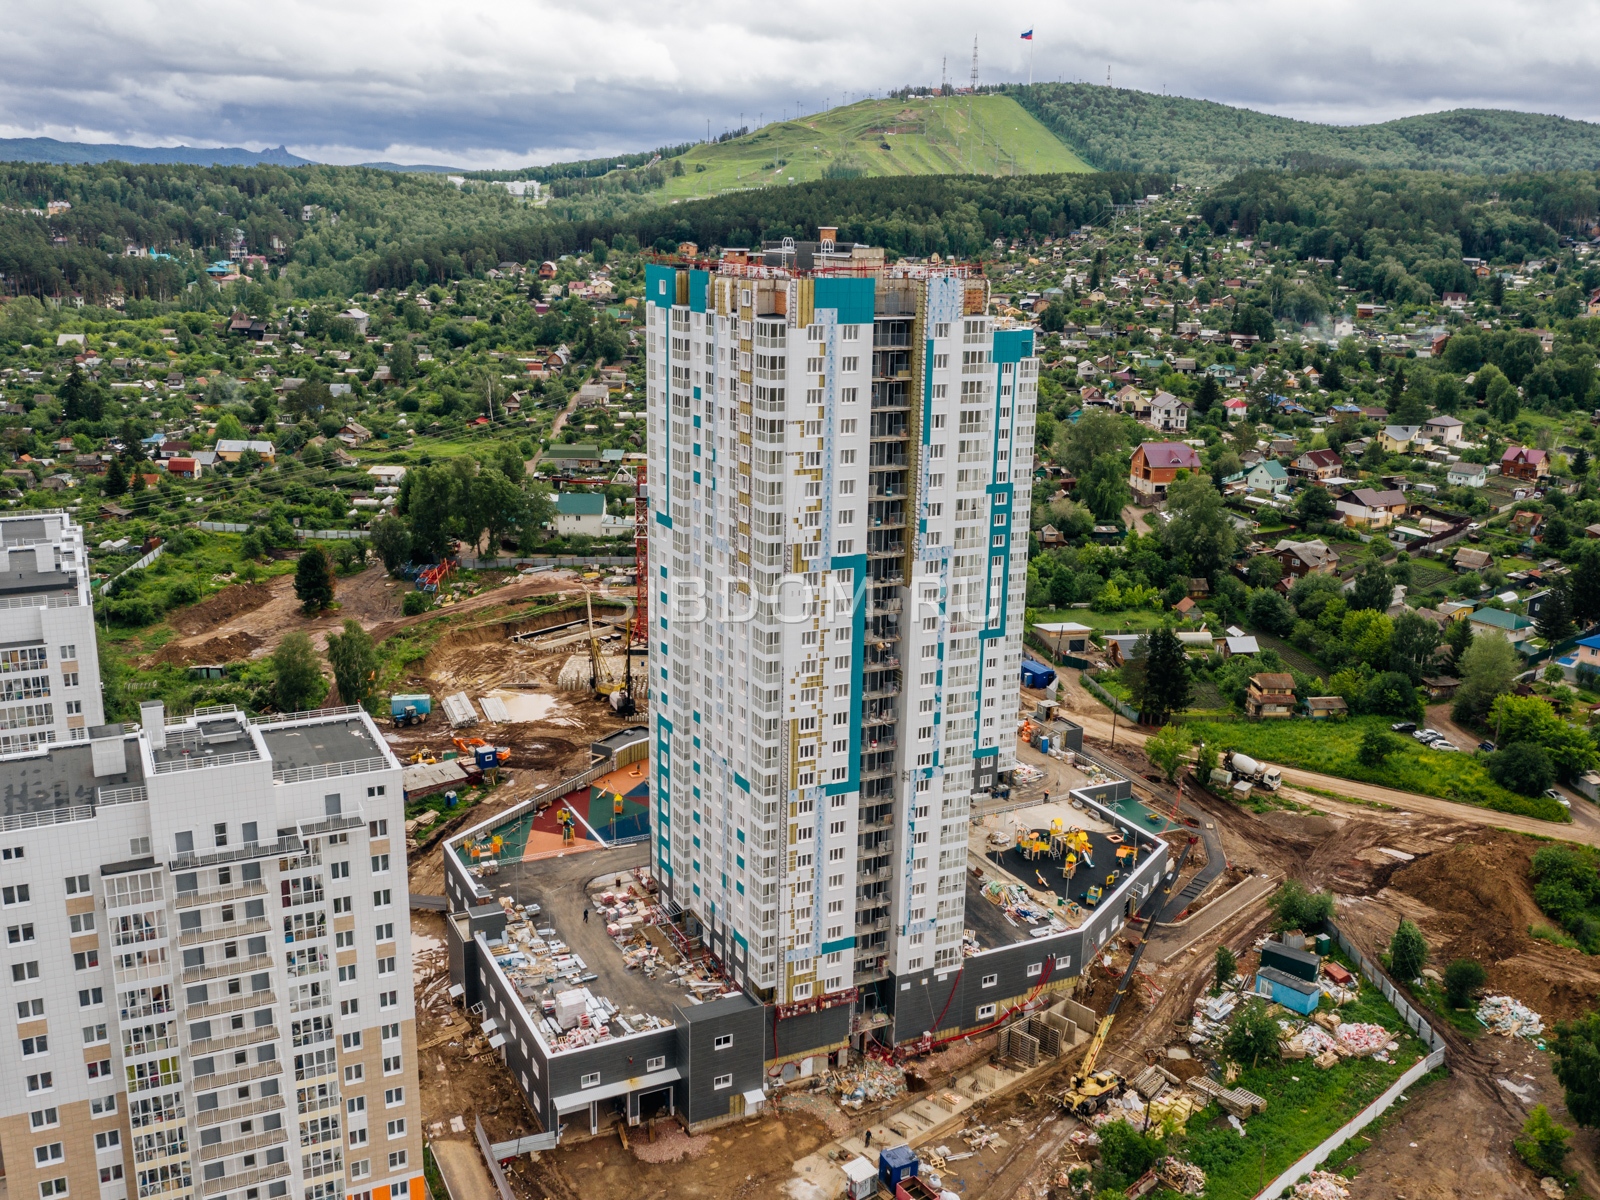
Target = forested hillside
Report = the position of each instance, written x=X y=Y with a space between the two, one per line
x=372 y=229
x=1201 y=141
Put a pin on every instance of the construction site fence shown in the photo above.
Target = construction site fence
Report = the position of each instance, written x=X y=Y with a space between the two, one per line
x=1310 y=1162
x=1106 y=698
x=493 y=1163
x=546 y=561
x=332 y=535
x=145 y=561
x=1375 y=976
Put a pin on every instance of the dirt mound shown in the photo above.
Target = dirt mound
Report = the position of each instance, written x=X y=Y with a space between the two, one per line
x=219 y=607
x=231 y=648
x=1480 y=905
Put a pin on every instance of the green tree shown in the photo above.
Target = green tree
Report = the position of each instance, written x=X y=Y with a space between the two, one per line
x=1226 y=966
x=1392 y=694
x=313 y=579
x=1577 y=1067
x=391 y=541
x=1376 y=747
x=229 y=428
x=1253 y=1037
x=1205 y=761
x=116 y=483
x=1501 y=399
x=1104 y=487
x=1408 y=952
x=1585 y=590
x=1462 y=979
x=1543 y=1144
x=1093 y=434
x=1125 y=1155
x=1522 y=767
x=1487 y=668
x=1158 y=676
x=1167 y=750
x=1314 y=505
x=297 y=681
x=1531 y=719
x=1208 y=396
x=354 y=660
x=1199 y=530
x=1554 y=621
x=1294 y=907
x=1374 y=590
x=1412 y=645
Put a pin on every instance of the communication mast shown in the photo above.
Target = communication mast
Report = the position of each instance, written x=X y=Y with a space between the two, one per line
x=974 y=63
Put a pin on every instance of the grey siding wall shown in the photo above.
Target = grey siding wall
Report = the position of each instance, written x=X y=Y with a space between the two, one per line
x=703 y=1064
x=797 y=1036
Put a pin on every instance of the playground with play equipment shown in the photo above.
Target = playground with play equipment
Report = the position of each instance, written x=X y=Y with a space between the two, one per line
x=1069 y=858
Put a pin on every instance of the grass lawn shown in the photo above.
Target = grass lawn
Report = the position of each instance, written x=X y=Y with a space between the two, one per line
x=1293 y=655
x=980 y=135
x=1125 y=621
x=1304 y=1106
x=1330 y=748
x=1432 y=998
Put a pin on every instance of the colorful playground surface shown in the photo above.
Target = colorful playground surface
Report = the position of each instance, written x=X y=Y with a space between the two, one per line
x=1137 y=813
x=615 y=806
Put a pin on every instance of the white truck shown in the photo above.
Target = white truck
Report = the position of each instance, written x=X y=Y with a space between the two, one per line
x=1247 y=774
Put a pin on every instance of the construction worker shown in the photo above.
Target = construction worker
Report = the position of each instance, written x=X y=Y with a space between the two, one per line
x=586 y=916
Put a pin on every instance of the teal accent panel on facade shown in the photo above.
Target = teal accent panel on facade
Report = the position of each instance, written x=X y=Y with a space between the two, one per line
x=699 y=289
x=1012 y=345
x=853 y=298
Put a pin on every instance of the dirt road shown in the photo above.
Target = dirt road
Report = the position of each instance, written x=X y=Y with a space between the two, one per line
x=1585 y=827
x=250 y=623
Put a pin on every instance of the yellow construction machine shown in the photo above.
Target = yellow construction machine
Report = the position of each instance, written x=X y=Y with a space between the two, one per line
x=1091 y=1091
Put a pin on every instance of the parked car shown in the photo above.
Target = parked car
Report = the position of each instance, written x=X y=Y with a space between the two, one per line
x=1487 y=747
x=1403 y=727
x=1427 y=735
x=1445 y=744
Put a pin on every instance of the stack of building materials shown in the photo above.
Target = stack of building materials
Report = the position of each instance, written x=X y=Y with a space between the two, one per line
x=1504 y=1015
x=458 y=710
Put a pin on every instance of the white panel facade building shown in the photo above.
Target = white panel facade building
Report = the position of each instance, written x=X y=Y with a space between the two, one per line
x=49 y=670
x=841 y=462
x=208 y=962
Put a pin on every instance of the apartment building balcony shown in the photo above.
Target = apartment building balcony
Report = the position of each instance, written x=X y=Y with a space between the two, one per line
x=238 y=1112
x=243 y=1145
x=873 y=925
x=227 y=966
x=220 y=933
x=879 y=714
x=218 y=895
x=890 y=426
x=239 y=1075
x=871 y=971
x=255 y=1175
x=888 y=456
x=232 y=1041
x=873 y=875
x=232 y=1004
x=887 y=487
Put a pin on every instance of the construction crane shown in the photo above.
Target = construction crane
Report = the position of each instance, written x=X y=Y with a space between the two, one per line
x=1091 y=1091
x=600 y=680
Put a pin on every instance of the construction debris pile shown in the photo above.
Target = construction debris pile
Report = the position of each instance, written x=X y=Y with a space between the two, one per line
x=627 y=907
x=1322 y=1185
x=552 y=982
x=1182 y=1177
x=1020 y=905
x=866 y=1082
x=1504 y=1015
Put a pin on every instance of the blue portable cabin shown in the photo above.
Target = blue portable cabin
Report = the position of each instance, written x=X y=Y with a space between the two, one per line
x=1036 y=674
x=895 y=1163
x=1297 y=995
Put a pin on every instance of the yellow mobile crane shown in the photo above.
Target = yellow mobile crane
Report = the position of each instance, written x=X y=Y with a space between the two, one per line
x=1091 y=1091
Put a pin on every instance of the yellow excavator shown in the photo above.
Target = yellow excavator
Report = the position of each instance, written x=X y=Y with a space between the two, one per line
x=1091 y=1091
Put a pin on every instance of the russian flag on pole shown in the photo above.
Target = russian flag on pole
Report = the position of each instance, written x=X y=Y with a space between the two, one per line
x=1027 y=35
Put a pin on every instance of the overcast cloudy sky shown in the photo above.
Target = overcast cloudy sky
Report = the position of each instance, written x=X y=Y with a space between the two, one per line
x=508 y=82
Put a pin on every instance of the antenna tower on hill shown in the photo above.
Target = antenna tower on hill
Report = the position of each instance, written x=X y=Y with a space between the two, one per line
x=974 y=64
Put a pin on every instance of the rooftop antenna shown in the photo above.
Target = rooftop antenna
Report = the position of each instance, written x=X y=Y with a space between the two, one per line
x=974 y=63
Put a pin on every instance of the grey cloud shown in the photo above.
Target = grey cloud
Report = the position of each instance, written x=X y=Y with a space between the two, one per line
x=478 y=82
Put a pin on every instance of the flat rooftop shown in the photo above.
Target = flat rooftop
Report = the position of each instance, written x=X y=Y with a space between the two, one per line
x=62 y=777
x=319 y=745
x=637 y=984
x=219 y=737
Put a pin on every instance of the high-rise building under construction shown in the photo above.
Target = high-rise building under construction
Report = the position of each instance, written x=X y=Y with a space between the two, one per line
x=841 y=451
